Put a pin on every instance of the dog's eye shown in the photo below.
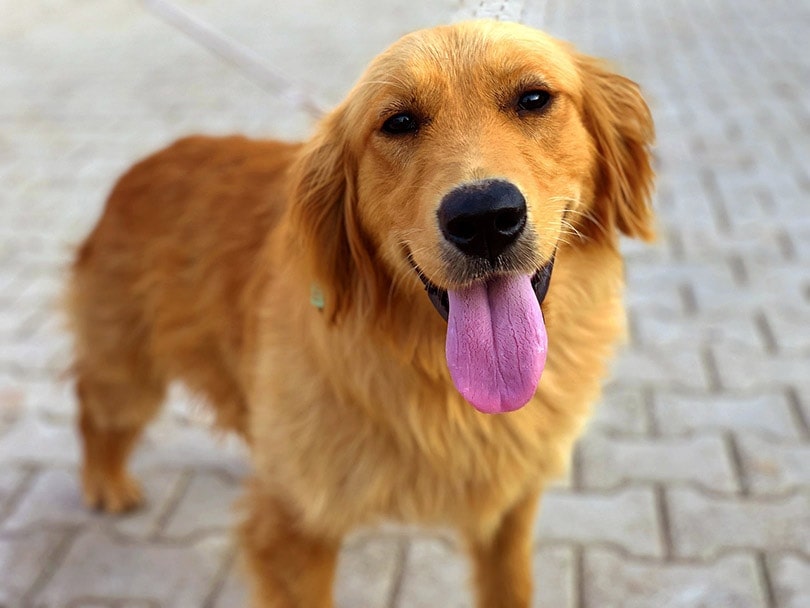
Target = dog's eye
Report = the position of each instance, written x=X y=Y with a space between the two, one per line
x=533 y=101
x=401 y=123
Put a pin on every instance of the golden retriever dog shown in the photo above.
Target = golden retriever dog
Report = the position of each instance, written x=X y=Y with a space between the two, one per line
x=407 y=317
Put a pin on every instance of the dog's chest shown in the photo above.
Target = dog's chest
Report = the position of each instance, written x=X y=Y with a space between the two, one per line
x=423 y=465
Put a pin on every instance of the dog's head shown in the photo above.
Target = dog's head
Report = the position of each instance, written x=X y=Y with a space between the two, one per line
x=465 y=157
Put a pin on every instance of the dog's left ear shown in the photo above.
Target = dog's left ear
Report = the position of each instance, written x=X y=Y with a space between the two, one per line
x=621 y=126
x=324 y=218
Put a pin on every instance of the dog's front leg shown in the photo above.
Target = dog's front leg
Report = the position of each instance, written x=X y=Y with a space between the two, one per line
x=289 y=566
x=502 y=558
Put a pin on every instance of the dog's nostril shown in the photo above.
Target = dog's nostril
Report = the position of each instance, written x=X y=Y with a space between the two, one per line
x=509 y=221
x=462 y=228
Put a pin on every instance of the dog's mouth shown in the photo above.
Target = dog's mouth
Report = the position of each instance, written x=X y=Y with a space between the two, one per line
x=496 y=336
x=441 y=302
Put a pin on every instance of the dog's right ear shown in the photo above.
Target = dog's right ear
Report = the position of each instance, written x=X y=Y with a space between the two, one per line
x=323 y=213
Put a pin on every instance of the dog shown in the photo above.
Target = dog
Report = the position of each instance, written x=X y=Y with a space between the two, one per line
x=407 y=317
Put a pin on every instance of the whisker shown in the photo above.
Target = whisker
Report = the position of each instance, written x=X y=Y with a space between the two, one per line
x=587 y=214
x=572 y=229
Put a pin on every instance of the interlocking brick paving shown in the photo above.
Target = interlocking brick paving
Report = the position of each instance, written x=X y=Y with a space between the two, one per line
x=692 y=486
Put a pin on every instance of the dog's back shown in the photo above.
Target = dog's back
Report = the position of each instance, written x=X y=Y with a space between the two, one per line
x=157 y=286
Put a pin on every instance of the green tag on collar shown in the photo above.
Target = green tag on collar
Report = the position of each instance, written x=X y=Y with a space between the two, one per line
x=316 y=297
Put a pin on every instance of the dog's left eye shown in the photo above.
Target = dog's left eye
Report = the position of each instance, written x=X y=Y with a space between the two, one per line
x=401 y=123
x=532 y=101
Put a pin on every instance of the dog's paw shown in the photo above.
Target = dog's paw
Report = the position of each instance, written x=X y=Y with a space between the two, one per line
x=112 y=494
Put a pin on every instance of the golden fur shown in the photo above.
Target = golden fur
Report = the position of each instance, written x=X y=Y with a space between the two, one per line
x=202 y=265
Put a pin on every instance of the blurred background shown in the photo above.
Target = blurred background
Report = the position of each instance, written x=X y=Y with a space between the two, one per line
x=691 y=487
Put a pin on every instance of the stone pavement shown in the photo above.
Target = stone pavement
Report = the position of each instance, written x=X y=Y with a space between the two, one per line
x=692 y=485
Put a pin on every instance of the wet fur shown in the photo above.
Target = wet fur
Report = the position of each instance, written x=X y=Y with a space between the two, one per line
x=202 y=265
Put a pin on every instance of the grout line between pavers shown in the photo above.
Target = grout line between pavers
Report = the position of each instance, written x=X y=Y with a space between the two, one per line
x=99 y=601
x=648 y=399
x=577 y=474
x=765 y=580
x=766 y=333
x=717 y=203
x=172 y=503
x=398 y=579
x=708 y=558
x=21 y=490
x=120 y=538
x=739 y=273
x=688 y=299
x=796 y=410
x=714 y=382
x=676 y=247
x=786 y=246
x=578 y=589
x=634 y=335
x=664 y=522
x=737 y=464
x=52 y=564
x=645 y=483
x=221 y=578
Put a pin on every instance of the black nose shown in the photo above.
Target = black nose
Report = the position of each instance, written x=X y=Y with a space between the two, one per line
x=483 y=218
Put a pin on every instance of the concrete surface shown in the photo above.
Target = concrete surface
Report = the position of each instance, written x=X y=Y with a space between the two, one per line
x=692 y=486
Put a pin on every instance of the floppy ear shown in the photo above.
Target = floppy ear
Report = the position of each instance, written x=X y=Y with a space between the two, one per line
x=323 y=215
x=620 y=123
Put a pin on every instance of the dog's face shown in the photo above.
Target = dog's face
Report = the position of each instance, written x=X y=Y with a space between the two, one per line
x=465 y=157
x=474 y=136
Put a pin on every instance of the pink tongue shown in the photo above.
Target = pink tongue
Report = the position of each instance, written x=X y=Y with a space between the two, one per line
x=496 y=343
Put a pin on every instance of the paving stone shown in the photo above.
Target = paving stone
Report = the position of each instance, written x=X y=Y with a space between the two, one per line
x=54 y=500
x=612 y=581
x=608 y=462
x=749 y=242
x=52 y=399
x=764 y=412
x=554 y=577
x=627 y=519
x=652 y=289
x=717 y=292
x=12 y=401
x=788 y=330
x=336 y=35
x=668 y=368
x=622 y=410
x=169 y=444
x=791 y=581
x=234 y=592
x=366 y=572
x=659 y=331
x=35 y=441
x=719 y=309
x=22 y=558
x=208 y=504
x=100 y=567
x=702 y=525
x=741 y=373
x=802 y=407
x=778 y=285
x=435 y=575
x=29 y=358
x=774 y=467
x=10 y=482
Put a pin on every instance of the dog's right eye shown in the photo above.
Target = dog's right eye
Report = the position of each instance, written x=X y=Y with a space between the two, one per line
x=401 y=123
